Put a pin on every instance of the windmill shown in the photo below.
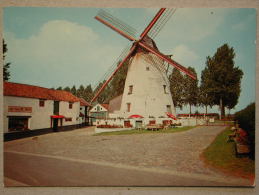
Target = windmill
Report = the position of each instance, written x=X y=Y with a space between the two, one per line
x=146 y=90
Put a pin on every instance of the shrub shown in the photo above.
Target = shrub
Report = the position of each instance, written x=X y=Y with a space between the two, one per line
x=246 y=121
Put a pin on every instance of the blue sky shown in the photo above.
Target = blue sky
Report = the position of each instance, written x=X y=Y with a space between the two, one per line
x=53 y=47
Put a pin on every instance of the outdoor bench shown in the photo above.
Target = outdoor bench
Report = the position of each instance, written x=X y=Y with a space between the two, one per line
x=241 y=149
x=154 y=127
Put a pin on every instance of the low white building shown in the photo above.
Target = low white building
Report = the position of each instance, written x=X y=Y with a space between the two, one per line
x=99 y=111
x=36 y=109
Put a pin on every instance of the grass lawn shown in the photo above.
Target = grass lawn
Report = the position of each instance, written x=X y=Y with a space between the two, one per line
x=135 y=131
x=221 y=155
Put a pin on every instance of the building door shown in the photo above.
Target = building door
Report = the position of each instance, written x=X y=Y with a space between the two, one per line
x=55 y=124
x=56 y=108
x=138 y=124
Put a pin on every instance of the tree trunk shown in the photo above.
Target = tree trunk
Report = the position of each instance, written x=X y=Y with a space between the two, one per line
x=222 y=109
x=206 y=109
x=190 y=109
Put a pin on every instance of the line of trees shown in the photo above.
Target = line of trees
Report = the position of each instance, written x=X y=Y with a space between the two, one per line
x=6 y=66
x=220 y=83
x=85 y=92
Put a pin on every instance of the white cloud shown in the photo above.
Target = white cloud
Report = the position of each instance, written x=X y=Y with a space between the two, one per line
x=184 y=55
x=190 y=23
x=243 y=24
x=61 y=52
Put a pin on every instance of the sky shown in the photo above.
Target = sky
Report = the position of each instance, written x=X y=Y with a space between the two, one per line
x=52 y=47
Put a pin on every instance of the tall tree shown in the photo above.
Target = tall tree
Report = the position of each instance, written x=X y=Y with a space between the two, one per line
x=73 y=90
x=59 y=88
x=67 y=89
x=204 y=98
x=80 y=91
x=118 y=81
x=190 y=90
x=177 y=87
x=88 y=93
x=116 y=85
x=6 y=72
x=104 y=96
x=221 y=79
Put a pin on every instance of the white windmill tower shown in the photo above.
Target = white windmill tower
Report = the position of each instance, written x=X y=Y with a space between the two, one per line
x=146 y=91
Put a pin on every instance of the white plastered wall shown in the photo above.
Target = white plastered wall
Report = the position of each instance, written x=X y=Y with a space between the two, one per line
x=67 y=112
x=40 y=116
x=148 y=97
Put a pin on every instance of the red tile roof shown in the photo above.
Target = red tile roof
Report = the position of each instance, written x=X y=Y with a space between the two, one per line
x=30 y=91
x=83 y=102
x=106 y=106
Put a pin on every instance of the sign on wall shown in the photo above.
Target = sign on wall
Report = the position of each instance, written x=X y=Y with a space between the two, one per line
x=19 y=109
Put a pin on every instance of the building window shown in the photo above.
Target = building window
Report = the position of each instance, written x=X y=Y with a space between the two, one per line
x=127 y=124
x=130 y=89
x=164 y=89
x=56 y=108
x=147 y=68
x=70 y=105
x=128 y=107
x=98 y=108
x=18 y=123
x=153 y=122
x=68 y=119
x=168 y=108
x=41 y=103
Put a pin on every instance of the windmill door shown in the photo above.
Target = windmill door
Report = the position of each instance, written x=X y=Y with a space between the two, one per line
x=138 y=124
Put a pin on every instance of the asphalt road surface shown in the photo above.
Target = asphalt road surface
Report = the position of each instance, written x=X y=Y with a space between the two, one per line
x=36 y=170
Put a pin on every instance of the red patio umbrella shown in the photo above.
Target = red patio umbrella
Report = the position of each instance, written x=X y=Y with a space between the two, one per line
x=57 y=116
x=171 y=115
x=136 y=116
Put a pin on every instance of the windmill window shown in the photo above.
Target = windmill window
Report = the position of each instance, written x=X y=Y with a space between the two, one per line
x=128 y=107
x=70 y=105
x=147 y=68
x=41 y=103
x=165 y=89
x=130 y=89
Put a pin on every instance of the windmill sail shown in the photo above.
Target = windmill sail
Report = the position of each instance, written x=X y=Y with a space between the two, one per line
x=111 y=69
x=144 y=44
x=107 y=18
x=161 y=22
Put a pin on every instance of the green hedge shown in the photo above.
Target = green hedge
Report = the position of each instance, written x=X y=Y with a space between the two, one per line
x=246 y=121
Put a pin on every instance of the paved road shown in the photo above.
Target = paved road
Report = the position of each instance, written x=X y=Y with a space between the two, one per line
x=78 y=159
x=37 y=170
